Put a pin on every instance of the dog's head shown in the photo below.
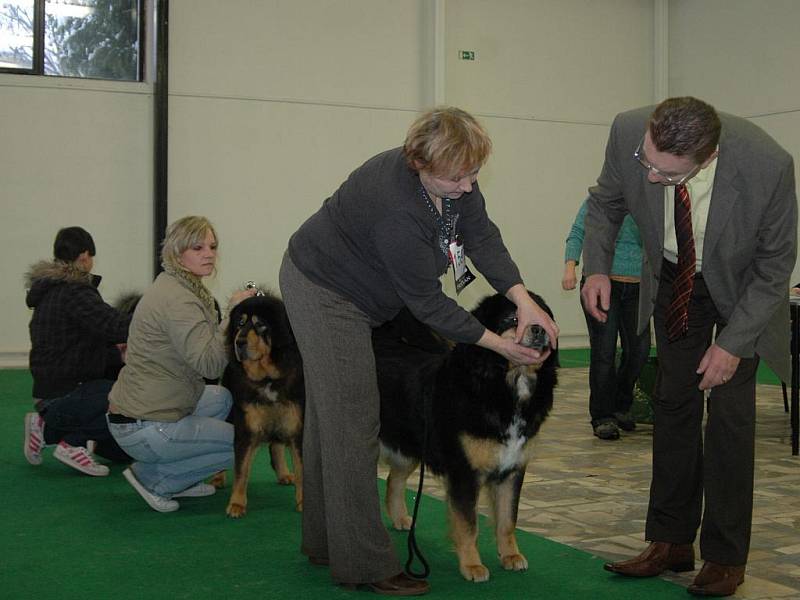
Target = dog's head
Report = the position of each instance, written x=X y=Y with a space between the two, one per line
x=499 y=315
x=260 y=338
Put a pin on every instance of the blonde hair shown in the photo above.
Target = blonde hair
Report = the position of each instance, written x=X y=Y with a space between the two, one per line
x=182 y=235
x=446 y=141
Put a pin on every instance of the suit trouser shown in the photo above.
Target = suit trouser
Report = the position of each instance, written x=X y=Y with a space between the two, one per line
x=341 y=508
x=687 y=466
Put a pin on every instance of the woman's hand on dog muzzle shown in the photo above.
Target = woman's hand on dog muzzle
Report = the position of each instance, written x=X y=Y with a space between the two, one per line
x=512 y=351
x=529 y=313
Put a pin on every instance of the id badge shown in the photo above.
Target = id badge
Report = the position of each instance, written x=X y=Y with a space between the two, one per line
x=458 y=258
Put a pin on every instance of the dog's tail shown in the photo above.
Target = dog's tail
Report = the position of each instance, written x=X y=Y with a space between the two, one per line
x=127 y=302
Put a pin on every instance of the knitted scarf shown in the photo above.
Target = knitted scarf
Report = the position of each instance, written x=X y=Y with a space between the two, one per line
x=193 y=283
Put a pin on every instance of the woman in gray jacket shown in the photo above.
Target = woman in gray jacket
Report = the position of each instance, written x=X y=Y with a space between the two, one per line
x=378 y=244
x=161 y=412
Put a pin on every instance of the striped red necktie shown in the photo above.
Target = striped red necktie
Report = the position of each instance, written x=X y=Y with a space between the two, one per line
x=677 y=320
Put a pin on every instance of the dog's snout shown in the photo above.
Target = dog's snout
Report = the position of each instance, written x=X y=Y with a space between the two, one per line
x=527 y=337
x=244 y=346
x=535 y=337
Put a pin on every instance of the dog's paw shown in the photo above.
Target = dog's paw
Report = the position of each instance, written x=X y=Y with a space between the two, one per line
x=402 y=523
x=218 y=480
x=477 y=573
x=287 y=479
x=236 y=511
x=514 y=562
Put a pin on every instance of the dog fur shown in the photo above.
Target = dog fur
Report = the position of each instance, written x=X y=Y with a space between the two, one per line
x=265 y=377
x=466 y=411
x=471 y=416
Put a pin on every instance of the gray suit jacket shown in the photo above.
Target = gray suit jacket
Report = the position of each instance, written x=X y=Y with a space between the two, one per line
x=750 y=241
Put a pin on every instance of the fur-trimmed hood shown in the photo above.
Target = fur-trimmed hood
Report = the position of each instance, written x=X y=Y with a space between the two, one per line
x=46 y=274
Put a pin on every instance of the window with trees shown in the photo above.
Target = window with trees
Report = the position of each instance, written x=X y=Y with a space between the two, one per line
x=98 y=39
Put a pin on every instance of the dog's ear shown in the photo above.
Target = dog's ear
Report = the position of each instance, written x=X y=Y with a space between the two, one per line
x=233 y=322
x=493 y=309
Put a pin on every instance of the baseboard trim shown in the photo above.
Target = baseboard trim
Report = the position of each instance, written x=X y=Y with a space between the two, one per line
x=573 y=341
x=13 y=360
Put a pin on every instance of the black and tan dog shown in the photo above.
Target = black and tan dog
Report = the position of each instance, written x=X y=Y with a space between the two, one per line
x=464 y=410
x=471 y=416
x=265 y=377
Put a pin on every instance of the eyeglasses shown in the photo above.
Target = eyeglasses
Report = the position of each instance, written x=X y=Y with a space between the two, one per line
x=639 y=156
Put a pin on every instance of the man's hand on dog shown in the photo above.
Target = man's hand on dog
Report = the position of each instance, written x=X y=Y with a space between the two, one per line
x=596 y=296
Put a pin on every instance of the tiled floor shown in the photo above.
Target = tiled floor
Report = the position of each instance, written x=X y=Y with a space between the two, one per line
x=592 y=494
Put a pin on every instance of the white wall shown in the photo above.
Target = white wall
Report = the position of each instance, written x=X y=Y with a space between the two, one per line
x=742 y=57
x=303 y=93
x=72 y=153
x=274 y=102
x=547 y=80
x=307 y=91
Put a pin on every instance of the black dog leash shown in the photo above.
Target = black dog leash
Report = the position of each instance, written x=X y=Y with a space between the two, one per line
x=413 y=549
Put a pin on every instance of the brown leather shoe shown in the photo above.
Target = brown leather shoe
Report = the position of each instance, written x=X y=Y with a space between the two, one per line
x=398 y=585
x=717 y=580
x=657 y=558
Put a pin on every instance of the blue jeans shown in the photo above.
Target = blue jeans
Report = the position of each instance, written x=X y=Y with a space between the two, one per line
x=171 y=457
x=611 y=386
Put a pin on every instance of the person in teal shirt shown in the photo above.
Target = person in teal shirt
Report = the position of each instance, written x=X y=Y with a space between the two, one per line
x=611 y=385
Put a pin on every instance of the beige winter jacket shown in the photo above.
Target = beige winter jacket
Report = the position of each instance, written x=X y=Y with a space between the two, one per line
x=174 y=342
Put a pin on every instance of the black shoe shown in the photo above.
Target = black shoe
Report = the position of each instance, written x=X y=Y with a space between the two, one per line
x=607 y=430
x=625 y=421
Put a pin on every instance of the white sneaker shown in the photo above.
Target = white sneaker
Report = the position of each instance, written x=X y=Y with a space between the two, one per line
x=197 y=491
x=79 y=458
x=34 y=438
x=155 y=501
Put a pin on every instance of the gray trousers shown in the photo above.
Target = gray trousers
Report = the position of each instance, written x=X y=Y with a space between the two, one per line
x=341 y=507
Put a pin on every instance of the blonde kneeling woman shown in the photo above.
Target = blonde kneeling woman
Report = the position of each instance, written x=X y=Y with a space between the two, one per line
x=161 y=412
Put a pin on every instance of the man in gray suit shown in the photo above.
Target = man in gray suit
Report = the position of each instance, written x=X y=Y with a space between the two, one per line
x=714 y=199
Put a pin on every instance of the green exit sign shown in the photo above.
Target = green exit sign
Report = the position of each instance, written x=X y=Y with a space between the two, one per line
x=466 y=54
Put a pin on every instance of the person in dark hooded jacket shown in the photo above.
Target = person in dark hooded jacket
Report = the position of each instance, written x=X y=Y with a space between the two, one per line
x=77 y=344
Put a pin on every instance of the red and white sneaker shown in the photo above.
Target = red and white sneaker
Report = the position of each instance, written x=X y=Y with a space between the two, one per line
x=79 y=458
x=34 y=438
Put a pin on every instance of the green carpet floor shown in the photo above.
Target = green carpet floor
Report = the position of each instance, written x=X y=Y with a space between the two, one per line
x=69 y=536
